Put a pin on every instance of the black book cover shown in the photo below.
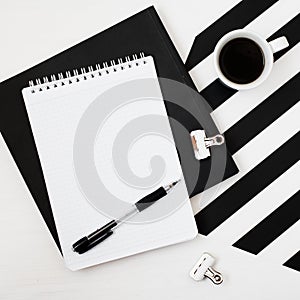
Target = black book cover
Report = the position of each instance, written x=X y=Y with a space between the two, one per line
x=143 y=32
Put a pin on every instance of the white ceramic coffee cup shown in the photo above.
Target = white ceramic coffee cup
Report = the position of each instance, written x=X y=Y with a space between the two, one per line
x=268 y=49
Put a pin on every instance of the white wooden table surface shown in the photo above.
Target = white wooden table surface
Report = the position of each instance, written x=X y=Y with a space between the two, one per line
x=31 y=266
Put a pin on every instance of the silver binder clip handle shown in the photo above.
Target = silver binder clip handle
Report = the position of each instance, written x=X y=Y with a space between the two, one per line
x=214 y=141
x=201 y=143
x=203 y=269
x=215 y=276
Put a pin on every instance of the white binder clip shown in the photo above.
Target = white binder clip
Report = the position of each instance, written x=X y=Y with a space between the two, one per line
x=203 y=268
x=201 y=143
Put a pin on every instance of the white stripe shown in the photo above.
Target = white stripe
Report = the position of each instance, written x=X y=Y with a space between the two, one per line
x=259 y=207
x=240 y=104
x=266 y=24
x=253 y=153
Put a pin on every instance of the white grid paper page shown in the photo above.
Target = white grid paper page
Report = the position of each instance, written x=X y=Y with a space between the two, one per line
x=54 y=116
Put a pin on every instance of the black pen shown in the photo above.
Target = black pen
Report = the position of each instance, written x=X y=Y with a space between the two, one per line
x=99 y=235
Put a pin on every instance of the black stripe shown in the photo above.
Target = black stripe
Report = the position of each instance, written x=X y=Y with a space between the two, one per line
x=270 y=228
x=217 y=93
x=238 y=17
x=266 y=112
x=248 y=186
x=294 y=262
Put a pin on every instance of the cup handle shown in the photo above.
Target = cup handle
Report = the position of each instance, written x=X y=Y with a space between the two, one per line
x=279 y=44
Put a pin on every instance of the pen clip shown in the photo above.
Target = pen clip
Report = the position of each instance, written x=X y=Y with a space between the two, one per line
x=104 y=236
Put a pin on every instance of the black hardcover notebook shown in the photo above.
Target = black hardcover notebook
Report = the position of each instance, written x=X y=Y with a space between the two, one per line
x=143 y=32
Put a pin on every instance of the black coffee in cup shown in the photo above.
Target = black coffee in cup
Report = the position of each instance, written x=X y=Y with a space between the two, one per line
x=241 y=60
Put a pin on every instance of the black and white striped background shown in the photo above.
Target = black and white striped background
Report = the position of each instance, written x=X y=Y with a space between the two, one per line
x=261 y=127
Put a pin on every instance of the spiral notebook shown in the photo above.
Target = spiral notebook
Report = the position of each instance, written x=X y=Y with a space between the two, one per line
x=61 y=109
x=143 y=31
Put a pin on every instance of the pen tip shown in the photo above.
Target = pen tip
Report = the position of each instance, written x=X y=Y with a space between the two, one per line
x=171 y=185
x=176 y=182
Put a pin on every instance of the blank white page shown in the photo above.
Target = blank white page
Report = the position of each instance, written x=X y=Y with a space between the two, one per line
x=55 y=111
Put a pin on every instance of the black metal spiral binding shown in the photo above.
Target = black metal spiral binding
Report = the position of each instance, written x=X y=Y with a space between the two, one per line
x=85 y=73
